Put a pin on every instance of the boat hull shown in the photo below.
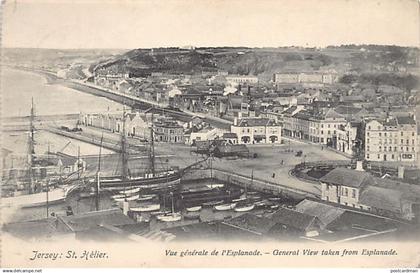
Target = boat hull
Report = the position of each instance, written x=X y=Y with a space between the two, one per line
x=153 y=183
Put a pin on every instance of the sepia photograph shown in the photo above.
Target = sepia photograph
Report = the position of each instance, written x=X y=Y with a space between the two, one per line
x=210 y=133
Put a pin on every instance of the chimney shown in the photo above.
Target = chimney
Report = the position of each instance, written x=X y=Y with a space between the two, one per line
x=235 y=121
x=401 y=172
x=359 y=165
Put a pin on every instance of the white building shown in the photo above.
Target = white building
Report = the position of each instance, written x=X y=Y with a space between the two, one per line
x=393 y=139
x=239 y=79
x=256 y=130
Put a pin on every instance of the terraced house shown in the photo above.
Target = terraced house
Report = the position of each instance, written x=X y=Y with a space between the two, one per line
x=256 y=130
x=392 y=139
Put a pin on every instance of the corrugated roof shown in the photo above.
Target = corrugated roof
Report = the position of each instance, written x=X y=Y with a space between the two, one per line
x=346 y=177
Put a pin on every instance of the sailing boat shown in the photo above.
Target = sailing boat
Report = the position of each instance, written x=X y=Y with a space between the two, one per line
x=170 y=217
x=33 y=198
x=246 y=205
x=151 y=180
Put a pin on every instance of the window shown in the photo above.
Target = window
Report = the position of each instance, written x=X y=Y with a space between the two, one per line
x=353 y=193
x=367 y=148
x=328 y=126
x=402 y=141
x=408 y=141
x=368 y=134
x=392 y=156
x=368 y=140
x=368 y=128
x=346 y=192
x=412 y=141
x=380 y=148
x=406 y=149
x=367 y=156
x=385 y=134
x=402 y=133
x=380 y=134
x=379 y=156
x=412 y=134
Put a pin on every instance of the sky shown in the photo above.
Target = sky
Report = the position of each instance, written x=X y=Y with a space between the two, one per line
x=160 y=23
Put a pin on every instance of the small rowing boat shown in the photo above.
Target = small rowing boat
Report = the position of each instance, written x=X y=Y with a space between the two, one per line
x=131 y=191
x=224 y=207
x=146 y=197
x=192 y=209
x=245 y=207
x=171 y=217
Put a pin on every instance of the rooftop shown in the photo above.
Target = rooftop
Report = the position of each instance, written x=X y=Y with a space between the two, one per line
x=346 y=177
x=325 y=213
x=291 y=218
x=252 y=223
x=406 y=120
x=252 y=122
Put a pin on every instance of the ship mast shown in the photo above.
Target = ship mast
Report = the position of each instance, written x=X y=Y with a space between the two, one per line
x=152 y=148
x=124 y=151
x=31 y=148
x=98 y=183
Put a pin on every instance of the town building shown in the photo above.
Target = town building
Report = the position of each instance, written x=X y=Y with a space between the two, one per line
x=256 y=130
x=136 y=124
x=392 y=139
x=166 y=130
x=242 y=79
x=361 y=190
x=314 y=126
x=304 y=78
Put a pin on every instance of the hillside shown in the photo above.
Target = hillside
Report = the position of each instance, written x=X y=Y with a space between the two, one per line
x=257 y=61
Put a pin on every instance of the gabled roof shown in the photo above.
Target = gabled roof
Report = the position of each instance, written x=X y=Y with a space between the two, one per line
x=346 y=177
x=252 y=122
x=292 y=218
x=325 y=213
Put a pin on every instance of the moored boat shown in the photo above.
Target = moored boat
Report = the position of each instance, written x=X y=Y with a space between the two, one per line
x=146 y=197
x=244 y=208
x=171 y=217
x=146 y=208
x=224 y=207
x=132 y=198
x=130 y=191
x=238 y=200
x=192 y=209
